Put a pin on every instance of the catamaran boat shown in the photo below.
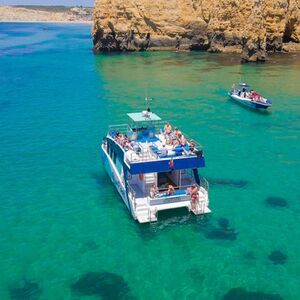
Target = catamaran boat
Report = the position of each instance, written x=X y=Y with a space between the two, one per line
x=242 y=93
x=151 y=170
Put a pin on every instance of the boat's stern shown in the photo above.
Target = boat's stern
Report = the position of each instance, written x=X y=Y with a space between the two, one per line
x=147 y=204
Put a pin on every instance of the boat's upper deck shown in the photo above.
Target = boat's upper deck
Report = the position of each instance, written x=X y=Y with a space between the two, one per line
x=147 y=138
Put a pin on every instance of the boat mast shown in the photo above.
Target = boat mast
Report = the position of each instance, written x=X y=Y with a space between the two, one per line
x=147 y=99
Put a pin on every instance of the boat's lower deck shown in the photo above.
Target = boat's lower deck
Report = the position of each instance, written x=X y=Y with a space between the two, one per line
x=147 y=208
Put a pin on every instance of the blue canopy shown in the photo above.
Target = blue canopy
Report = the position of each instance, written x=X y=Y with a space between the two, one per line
x=244 y=85
x=143 y=117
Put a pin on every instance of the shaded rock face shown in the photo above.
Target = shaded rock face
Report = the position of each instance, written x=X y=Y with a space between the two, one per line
x=249 y=27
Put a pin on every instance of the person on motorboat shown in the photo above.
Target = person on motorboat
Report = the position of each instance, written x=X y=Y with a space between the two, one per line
x=244 y=93
x=255 y=96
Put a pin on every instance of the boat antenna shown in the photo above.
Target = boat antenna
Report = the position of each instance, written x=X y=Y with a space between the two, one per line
x=147 y=99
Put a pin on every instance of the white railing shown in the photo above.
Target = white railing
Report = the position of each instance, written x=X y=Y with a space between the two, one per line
x=162 y=194
x=127 y=129
x=122 y=128
x=145 y=153
x=158 y=129
x=158 y=126
x=198 y=146
x=204 y=183
x=140 y=156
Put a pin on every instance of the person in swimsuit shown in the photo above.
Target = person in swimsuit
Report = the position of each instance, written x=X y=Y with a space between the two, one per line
x=164 y=151
x=176 y=132
x=183 y=140
x=192 y=145
x=153 y=191
x=193 y=191
x=170 y=190
x=167 y=130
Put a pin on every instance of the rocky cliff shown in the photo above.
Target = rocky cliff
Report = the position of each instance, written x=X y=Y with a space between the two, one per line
x=249 y=27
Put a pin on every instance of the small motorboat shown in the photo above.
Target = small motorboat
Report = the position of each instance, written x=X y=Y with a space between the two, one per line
x=242 y=93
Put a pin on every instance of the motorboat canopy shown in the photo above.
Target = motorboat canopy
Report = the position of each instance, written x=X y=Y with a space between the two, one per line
x=243 y=85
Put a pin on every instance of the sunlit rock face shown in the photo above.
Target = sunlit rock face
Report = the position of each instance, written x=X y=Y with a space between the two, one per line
x=249 y=27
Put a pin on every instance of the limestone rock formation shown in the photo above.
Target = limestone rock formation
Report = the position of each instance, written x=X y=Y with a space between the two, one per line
x=249 y=27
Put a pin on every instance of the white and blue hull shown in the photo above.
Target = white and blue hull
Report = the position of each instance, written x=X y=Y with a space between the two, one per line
x=115 y=178
x=250 y=103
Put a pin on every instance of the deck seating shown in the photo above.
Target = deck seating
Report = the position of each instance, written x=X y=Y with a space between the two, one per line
x=178 y=150
x=176 y=193
x=148 y=139
x=145 y=135
x=178 y=196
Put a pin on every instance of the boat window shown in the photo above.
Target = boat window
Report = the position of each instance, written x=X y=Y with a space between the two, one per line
x=166 y=178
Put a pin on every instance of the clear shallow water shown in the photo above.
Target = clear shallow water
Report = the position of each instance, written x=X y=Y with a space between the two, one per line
x=61 y=218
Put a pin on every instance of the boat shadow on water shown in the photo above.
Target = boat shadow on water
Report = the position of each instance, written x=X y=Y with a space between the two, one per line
x=168 y=220
x=242 y=294
x=209 y=227
x=228 y=182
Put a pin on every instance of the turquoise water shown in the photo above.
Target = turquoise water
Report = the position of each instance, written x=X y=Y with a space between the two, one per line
x=65 y=233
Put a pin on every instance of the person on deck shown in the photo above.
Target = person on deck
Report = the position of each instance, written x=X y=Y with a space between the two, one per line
x=192 y=146
x=194 y=193
x=169 y=140
x=164 y=151
x=128 y=146
x=167 y=130
x=153 y=191
x=183 y=141
x=117 y=136
x=170 y=190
